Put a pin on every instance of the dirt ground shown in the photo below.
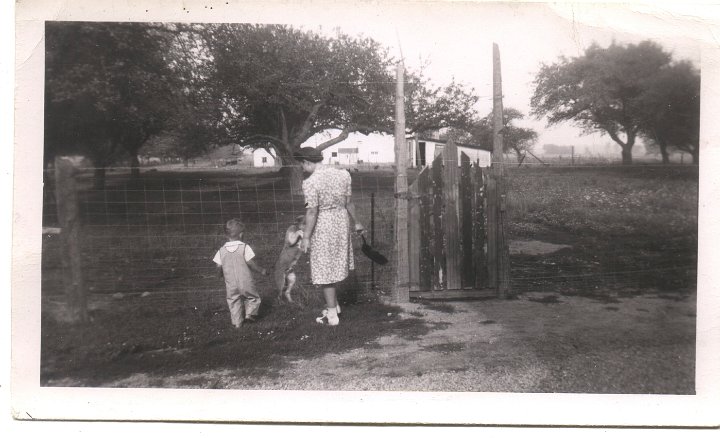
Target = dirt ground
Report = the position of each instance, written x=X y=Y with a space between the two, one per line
x=537 y=343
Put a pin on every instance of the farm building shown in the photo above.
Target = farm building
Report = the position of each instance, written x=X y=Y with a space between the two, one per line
x=263 y=158
x=356 y=149
x=423 y=150
x=380 y=149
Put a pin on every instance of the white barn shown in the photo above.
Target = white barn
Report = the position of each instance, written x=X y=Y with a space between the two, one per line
x=356 y=149
x=360 y=149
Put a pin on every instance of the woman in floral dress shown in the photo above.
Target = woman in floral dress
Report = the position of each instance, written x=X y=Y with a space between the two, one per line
x=327 y=227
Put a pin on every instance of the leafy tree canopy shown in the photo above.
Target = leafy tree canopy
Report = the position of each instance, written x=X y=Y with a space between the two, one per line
x=279 y=85
x=108 y=88
x=600 y=91
x=671 y=110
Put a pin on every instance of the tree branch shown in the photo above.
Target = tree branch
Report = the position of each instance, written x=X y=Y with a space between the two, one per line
x=253 y=139
x=309 y=120
x=343 y=136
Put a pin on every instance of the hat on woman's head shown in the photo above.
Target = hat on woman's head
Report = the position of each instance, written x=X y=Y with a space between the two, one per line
x=309 y=154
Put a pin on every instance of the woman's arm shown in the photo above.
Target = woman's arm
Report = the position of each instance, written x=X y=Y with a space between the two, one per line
x=350 y=206
x=310 y=219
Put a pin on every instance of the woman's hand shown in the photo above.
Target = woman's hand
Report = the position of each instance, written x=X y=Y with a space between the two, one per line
x=304 y=245
x=359 y=228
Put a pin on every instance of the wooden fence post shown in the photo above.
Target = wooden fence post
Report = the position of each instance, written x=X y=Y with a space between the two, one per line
x=69 y=220
x=401 y=291
x=414 y=237
x=478 y=229
x=466 y=222
x=438 y=231
x=498 y=174
x=450 y=219
x=426 y=231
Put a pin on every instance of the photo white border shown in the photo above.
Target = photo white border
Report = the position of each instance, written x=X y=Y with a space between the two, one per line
x=29 y=400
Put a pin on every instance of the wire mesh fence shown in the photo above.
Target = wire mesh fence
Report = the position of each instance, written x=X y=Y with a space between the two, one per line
x=156 y=235
x=586 y=230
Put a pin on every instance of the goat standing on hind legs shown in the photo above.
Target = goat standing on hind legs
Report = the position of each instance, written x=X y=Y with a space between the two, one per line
x=284 y=275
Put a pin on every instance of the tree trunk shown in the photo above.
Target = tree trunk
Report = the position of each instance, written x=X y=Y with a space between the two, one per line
x=294 y=174
x=99 y=178
x=186 y=162
x=291 y=169
x=625 y=145
x=627 y=155
x=664 y=152
x=134 y=166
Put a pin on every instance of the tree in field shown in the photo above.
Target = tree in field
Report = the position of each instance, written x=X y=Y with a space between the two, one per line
x=671 y=118
x=108 y=89
x=601 y=91
x=278 y=86
x=515 y=138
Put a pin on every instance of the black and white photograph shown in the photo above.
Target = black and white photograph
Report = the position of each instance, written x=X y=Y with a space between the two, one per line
x=365 y=212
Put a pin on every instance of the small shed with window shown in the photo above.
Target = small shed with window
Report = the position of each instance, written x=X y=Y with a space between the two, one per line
x=422 y=151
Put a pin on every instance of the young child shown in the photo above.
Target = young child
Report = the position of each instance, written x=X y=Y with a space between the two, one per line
x=234 y=261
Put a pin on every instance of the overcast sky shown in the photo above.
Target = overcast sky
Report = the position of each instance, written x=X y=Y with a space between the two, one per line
x=454 y=37
x=456 y=40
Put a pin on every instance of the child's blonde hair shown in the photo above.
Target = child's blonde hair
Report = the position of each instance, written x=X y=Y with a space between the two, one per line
x=234 y=228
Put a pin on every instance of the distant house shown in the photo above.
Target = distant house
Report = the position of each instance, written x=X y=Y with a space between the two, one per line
x=263 y=158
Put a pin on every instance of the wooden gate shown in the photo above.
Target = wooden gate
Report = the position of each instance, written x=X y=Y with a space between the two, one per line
x=446 y=230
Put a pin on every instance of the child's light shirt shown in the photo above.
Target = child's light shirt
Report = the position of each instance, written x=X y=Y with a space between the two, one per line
x=233 y=246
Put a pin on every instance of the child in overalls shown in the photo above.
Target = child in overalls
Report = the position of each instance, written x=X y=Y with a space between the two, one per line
x=234 y=261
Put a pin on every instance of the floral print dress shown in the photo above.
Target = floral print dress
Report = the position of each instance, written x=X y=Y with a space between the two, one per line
x=331 y=254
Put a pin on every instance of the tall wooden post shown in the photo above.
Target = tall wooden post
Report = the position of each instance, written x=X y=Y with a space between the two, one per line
x=500 y=243
x=450 y=216
x=69 y=217
x=402 y=290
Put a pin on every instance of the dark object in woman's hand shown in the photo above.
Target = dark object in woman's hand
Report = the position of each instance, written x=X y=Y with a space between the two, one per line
x=372 y=254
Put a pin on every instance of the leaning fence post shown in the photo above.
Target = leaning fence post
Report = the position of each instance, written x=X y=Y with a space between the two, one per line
x=401 y=292
x=68 y=212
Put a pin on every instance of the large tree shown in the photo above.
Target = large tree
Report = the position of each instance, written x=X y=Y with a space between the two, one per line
x=108 y=89
x=278 y=86
x=600 y=91
x=671 y=116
